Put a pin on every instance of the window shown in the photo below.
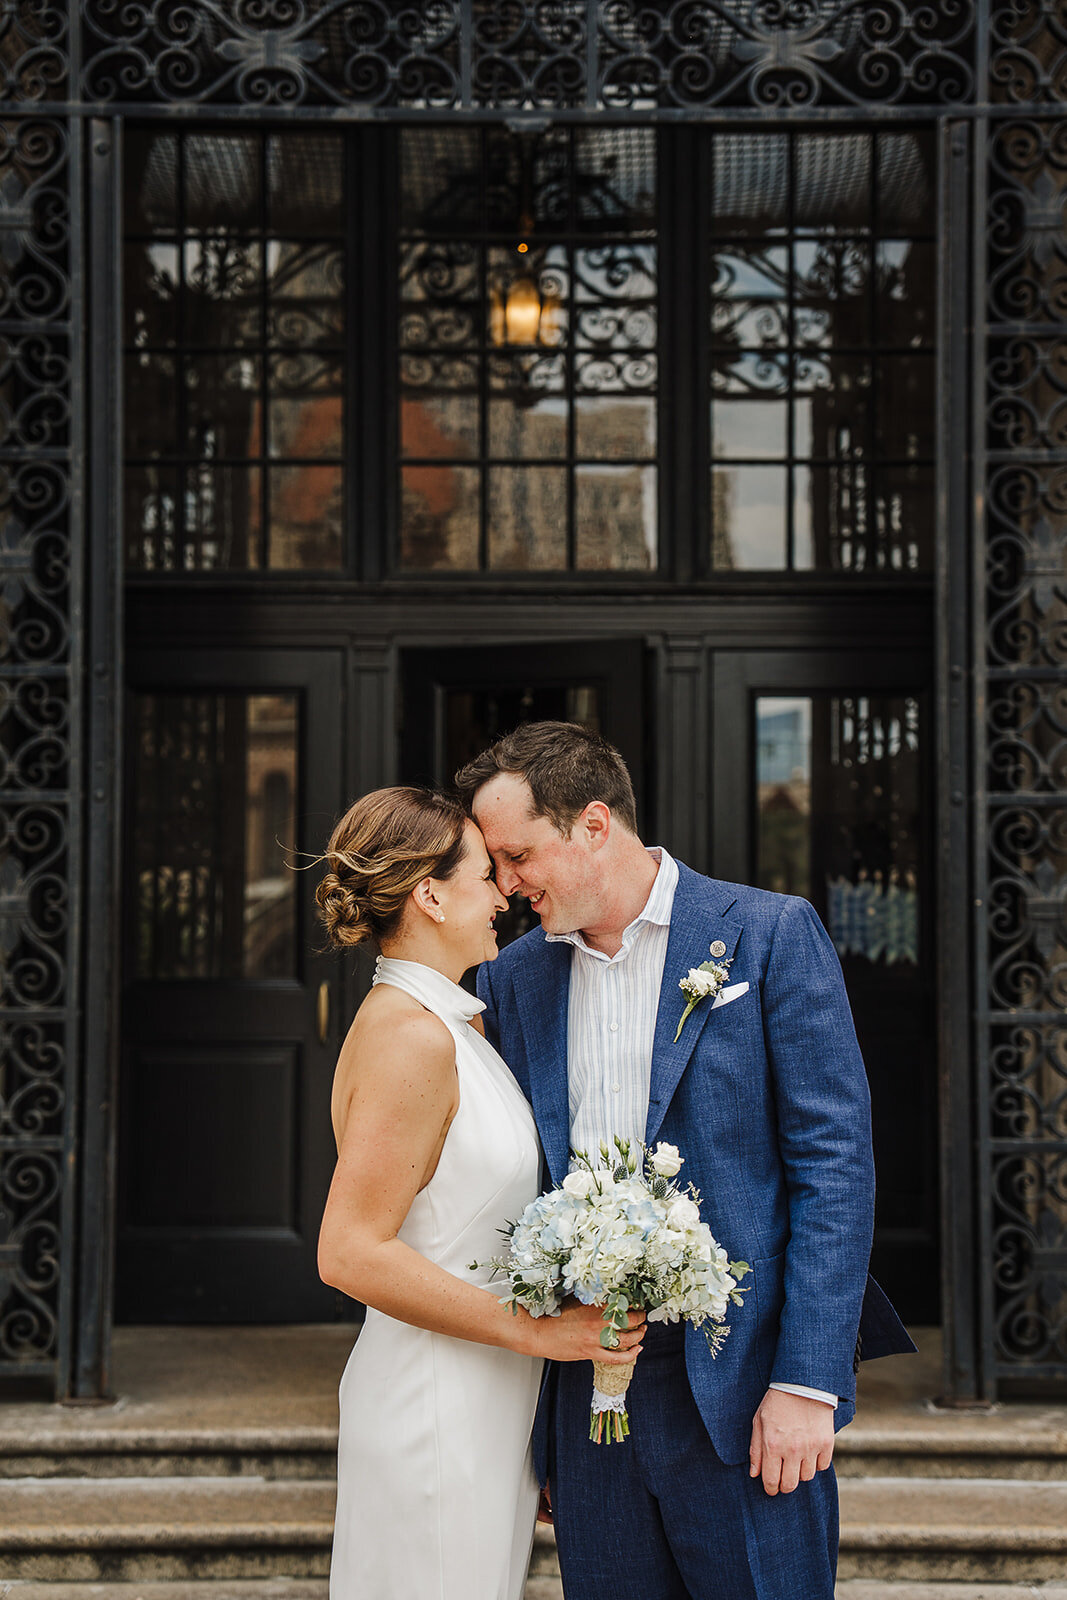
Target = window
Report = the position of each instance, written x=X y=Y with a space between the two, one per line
x=234 y=351
x=822 y=282
x=528 y=350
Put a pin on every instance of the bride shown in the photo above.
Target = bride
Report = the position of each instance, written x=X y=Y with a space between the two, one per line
x=437 y=1151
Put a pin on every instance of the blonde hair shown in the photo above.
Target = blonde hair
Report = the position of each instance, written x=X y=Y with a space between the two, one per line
x=383 y=846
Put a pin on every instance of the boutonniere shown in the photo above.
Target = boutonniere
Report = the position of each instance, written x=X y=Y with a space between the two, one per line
x=703 y=982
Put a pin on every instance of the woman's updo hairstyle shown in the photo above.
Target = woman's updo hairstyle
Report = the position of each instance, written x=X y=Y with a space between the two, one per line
x=384 y=846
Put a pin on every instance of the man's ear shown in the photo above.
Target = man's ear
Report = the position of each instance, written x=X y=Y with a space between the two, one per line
x=596 y=820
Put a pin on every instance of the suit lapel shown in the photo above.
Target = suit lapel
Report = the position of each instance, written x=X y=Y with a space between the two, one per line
x=542 y=992
x=699 y=916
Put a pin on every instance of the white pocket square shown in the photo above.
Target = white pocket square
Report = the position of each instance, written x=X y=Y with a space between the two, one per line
x=733 y=991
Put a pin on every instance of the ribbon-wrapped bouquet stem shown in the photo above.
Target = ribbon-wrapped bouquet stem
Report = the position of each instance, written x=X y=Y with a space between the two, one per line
x=620 y=1234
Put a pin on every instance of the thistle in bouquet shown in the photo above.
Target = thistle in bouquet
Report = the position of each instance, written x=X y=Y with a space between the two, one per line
x=621 y=1234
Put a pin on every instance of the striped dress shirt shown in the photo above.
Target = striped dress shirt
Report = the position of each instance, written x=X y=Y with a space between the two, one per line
x=611 y=1027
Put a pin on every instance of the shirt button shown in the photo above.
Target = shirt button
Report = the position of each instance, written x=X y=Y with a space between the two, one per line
x=614 y=1027
x=615 y=1088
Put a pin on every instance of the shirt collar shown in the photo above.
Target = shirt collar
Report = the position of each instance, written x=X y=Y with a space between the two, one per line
x=657 y=908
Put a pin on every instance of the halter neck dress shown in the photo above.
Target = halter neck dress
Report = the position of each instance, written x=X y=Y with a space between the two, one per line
x=436 y=1495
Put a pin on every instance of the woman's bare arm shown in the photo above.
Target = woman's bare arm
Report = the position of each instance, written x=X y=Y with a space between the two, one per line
x=392 y=1127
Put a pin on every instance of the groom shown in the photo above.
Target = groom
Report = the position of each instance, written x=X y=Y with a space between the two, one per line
x=724 y=1487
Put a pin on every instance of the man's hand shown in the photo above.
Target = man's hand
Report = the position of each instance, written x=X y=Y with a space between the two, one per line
x=792 y=1440
x=544 y=1505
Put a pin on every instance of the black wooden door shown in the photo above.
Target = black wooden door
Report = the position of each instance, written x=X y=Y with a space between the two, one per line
x=456 y=701
x=821 y=787
x=229 y=1018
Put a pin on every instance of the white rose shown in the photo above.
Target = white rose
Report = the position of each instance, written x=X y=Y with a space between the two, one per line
x=701 y=983
x=683 y=1214
x=666 y=1160
x=578 y=1184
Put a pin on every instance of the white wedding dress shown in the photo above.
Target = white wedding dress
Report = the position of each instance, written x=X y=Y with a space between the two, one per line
x=436 y=1495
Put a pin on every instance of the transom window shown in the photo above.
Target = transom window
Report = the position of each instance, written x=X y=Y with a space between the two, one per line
x=235 y=349
x=822 y=281
x=500 y=309
x=528 y=350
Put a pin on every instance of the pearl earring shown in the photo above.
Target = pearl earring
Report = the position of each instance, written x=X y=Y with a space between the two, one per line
x=441 y=917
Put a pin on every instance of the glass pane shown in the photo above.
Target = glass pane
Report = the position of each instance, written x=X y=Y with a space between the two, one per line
x=907 y=184
x=440 y=179
x=439 y=518
x=223 y=519
x=832 y=287
x=615 y=519
x=442 y=424
x=747 y=428
x=527 y=406
x=615 y=178
x=904 y=508
x=223 y=299
x=832 y=185
x=305 y=293
x=906 y=275
x=150 y=288
x=749 y=288
x=223 y=406
x=832 y=510
x=783 y=794
x=750 y=183
x=306 y=397
x=214 y=792
x=907 y=398
x=150 y=516
x=151 y=414
x=150 y=183
x=527 y=509
x=748 y=517
x=832 y=406
x=223 y=182
x=306 y=518
x=614 y=427
x=838 y=788
x=305 y=180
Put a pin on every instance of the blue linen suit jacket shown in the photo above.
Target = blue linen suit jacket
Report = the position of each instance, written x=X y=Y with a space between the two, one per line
x=766 y=1098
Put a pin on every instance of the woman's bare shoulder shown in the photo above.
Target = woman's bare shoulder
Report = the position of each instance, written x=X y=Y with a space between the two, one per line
x=391 y=1031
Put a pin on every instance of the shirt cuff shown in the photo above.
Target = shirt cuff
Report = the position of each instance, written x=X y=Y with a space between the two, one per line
x=808 y=1394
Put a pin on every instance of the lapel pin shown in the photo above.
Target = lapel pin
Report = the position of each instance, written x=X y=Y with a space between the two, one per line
x=718 y=948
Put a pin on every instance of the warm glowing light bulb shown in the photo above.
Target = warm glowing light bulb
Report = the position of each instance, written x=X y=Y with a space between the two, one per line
x=523 y=313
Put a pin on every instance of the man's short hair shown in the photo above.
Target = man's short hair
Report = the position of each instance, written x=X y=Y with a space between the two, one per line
x=566 y=767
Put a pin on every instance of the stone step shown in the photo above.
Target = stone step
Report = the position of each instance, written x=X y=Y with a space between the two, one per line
x=150 y=1530
x=938 y=1446
x=80 y=1448
x=538 y=1588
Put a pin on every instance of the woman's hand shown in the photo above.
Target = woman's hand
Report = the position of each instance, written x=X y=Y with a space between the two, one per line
x=575 y=1336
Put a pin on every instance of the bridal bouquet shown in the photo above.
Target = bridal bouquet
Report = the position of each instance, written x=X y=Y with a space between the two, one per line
x=620 y=1234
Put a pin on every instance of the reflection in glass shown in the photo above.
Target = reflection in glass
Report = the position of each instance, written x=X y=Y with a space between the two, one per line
x=905 y=269
x=223 y=406
x=838 y=796
x=748 y=428
x=615 y=518
x=223 y=182
x=150 y=183
x=614 y=426
x=214 y=791
x=749 y=517
x=832 y=182
x=223 y=518
x=440 y=425
x=527 y=407
x=150 y=289
x=904 y=518
x=305 y=517
x=906 y=181
x=832 y=292
x=150 y=517
x=223 y=294
x=439 y=519
x=151 y=381
x=527 y=512
x=305 y=182
x=750 y=183
x=907 y=391
x=305 y=405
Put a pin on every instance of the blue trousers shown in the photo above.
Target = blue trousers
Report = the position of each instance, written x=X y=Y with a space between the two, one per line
x=660 y=1517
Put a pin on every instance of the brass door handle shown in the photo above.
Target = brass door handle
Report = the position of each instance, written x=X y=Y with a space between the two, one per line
x=322 y=1010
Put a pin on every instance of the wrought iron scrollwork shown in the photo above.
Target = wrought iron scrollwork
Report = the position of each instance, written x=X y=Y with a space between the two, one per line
x=1025 y=902
x=37 y=865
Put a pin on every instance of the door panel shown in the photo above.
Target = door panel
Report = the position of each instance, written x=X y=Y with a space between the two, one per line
x=225 y=1145
x=456 y=702
x=821 y=788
